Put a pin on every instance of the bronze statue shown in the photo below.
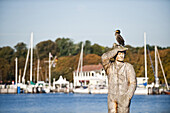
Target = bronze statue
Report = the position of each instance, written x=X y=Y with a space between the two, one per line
x=122 y=80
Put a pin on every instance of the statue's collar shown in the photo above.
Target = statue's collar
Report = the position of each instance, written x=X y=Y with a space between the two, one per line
x=118 y=65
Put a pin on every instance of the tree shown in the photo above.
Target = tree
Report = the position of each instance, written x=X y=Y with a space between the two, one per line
x=91 y=59
x=65 y=46
x=7 y=53
x=21 y=50
x=68 y=56
x=4 y=69
x=43 y=49
x=87 y=47
x=97 y=49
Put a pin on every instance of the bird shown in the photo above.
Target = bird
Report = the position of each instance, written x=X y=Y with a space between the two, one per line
x=119 y=38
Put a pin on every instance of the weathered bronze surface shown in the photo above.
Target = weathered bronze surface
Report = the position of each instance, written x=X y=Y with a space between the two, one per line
x=122 y=81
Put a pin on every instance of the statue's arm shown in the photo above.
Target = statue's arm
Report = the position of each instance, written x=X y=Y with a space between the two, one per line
x=132 y=81
x=106 y=60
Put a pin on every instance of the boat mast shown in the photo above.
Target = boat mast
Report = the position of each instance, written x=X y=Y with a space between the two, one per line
x=31 y=56
x=19 y=76
x=145 y=56
x=16 y=70
x=23 y=77
x=156 y=63
x=49 y=69
x=162 y=69
x=80 y=64
x=81 y=58
x=156 y=68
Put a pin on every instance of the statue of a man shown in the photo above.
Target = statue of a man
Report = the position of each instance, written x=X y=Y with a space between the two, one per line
x=122 y=80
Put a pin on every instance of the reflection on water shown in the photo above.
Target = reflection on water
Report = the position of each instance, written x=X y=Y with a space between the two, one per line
x=78 y=103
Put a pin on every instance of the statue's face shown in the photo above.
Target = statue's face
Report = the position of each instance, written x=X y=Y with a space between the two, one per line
x=120 y=56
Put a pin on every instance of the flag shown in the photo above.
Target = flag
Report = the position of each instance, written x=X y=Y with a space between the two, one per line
x=56 y=59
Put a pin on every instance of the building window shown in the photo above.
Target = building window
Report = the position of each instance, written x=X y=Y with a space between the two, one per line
x=93 y=74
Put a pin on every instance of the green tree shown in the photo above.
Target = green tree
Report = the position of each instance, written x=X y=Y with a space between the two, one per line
x=43 y=49
x=4 y=70
x=97 y=49
x=65 y=46
x=87 y=47
x=7 y=53
x=21 y=50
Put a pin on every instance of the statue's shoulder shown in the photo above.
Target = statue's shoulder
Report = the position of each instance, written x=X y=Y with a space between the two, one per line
x=128 y=65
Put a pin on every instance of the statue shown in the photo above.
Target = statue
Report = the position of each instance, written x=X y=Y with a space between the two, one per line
x=121 y=78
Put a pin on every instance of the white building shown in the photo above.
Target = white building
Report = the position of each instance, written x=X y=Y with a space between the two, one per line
x=60 y=83
x=91 y=75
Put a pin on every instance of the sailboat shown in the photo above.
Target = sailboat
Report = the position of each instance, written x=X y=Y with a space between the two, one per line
x=155 y=86
x=84 y=90
x=31 y=87
x=31 y=84
x=142 y=82
x=142 y=87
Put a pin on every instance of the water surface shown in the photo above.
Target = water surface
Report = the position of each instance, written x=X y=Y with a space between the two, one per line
x=78 y=103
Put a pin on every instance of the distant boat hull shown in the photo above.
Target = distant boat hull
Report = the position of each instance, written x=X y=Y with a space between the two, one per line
x=167 y=92
x=46 y=90
x=81 y=90
x=141 y=91
x=99 y=91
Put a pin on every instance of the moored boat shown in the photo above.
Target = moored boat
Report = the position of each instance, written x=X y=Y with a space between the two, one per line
x=83 y=90
x=167 y=92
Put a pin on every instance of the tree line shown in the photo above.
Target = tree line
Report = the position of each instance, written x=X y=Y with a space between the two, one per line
x=60 y=47
x=67 y=53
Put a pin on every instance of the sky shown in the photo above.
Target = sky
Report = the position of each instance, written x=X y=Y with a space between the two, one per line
x=80 y=20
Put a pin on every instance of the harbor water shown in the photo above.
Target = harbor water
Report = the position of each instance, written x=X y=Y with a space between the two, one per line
x=78 y=103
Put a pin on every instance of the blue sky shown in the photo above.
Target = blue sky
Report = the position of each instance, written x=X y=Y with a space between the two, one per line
x=80 y=20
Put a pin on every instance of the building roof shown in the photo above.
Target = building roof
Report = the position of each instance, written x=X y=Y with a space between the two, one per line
x=61 y=81
x=91 y=68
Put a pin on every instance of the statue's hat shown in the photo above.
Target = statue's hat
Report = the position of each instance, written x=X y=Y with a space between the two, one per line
x=119 y=49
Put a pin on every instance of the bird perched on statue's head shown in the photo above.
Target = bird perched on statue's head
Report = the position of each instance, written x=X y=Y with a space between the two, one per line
x=119 y=38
